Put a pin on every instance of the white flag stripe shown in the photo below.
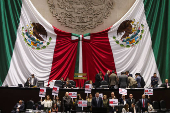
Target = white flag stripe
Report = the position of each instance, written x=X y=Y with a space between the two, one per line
x=137 y=59
x=25 y=60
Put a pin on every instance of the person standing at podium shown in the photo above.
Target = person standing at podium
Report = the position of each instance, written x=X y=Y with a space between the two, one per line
x=33 y=80
x=106 y=77
x=98 y=79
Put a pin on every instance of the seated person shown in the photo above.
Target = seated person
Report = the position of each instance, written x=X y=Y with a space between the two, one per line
x=54 y=108
x=19 y=107
x=36 y=107
x=67 y=79
x=27 y=83
x=126 y=108
x=166 y=84
x=68 y=85
x=134 y=108
x=150 y=108
x=123 y=100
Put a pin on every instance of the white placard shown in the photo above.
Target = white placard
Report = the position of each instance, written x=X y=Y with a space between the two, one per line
x=82 y=103
x=148 y=91
x=113 y=102
x=88 y=88
x=55 y=90
x=101 y=95
x=73 y=94
x=42 y=92
x=122 y=91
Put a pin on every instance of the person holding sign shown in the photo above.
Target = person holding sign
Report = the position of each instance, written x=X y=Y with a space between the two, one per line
x=47 y=103
x=78 y=109
x=112 y=108
x=67 y=102
x=97 y=101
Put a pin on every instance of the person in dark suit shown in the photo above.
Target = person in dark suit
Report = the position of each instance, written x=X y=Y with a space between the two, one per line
x=36 y=107
x=122 y=100
x=130 y=100
x=123 y=80
x=68 y=85
x=33 y=80
x=98 y=79
x=113 y=79
x=112 y=108
x=142 y=81
x=128 y=74
x=143 y=103
x=154 y=81
x=106 y=77
x=19 y=107
x=166 y=84
x=134 y=108
x=97 y=101
x=138 y=80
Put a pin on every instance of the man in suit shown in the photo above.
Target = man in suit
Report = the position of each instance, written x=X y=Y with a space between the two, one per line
x=36 y=107
x=113 y=79
x=33 y=80
x=67 y=102
x=19 y=107
x=130 y=100
x=142 y=81
x=122 y=100
x=154 y=81
x=106 y=77
x=123 y=80
x=97 y=101
x=143 y=103
x=98 y=79
x=166 y=84
x=138 y=80
x=134 y=108
x=132 y=82
x=128 y=74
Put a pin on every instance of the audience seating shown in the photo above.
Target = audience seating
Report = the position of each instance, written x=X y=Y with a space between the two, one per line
x=155 y=105
x=40 y=84
x=163 y=105
x=103 y=84
x=58 y=83
x=30 y=104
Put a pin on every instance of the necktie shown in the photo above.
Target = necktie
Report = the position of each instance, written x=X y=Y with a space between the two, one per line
x=143 y=103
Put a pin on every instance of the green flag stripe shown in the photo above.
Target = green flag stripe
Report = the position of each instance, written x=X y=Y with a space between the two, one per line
x=10 y=11
x=158 y=18
x=77 y=59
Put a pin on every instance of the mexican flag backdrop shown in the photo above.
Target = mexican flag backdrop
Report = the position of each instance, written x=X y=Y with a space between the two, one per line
x=138 y=42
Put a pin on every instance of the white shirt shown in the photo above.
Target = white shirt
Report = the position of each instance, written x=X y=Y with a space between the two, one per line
x=134 y=109
x=32 y=81
x=124 y=102
x=47 y=103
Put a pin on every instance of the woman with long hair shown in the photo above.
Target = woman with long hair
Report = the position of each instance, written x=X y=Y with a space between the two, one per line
x=54 y=108
x=89 y=103
x=47 y=103
x=126 y=108
x=57 y=102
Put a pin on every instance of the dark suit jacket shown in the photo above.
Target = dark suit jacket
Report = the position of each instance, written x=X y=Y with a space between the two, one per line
x=121 y=101
x=21 y=108
x=94 y=102
x=165 y=85
x=106 y=78
x=130 y=102
x=123 y=81
x=142 y=82
x=146 y=103
x=39 y=107
x=35 y=81
x=132 y=110
x=97 y=80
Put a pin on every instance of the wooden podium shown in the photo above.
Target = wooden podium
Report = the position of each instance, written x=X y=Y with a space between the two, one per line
x=80 y=76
